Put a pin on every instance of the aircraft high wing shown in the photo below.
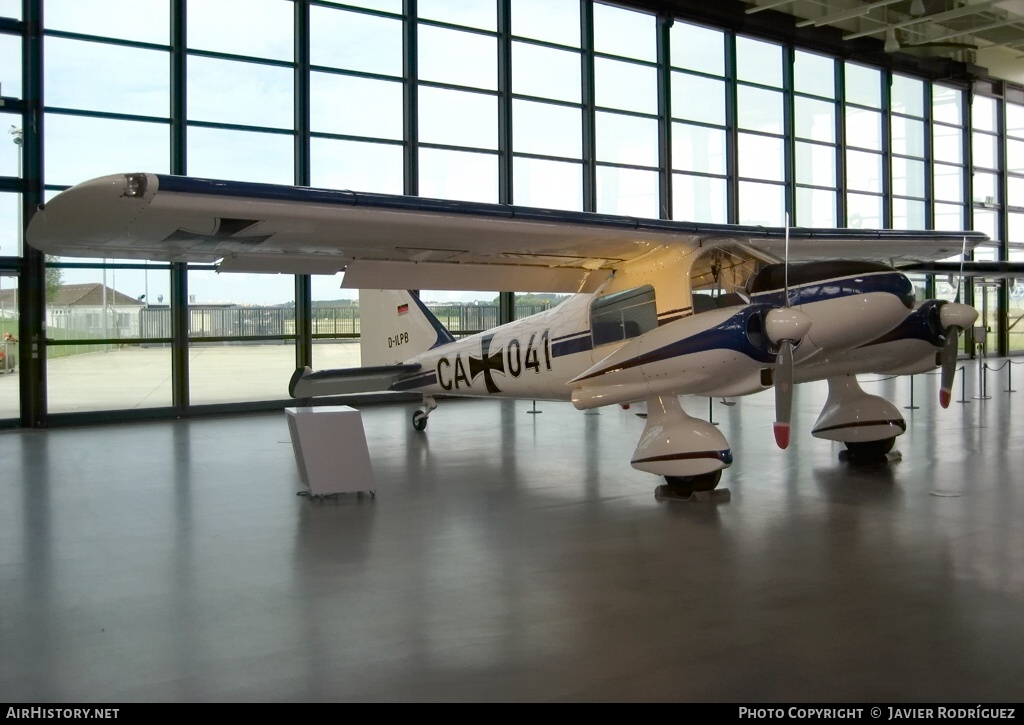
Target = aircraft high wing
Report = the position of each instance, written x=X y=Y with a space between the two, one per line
x=662 y=308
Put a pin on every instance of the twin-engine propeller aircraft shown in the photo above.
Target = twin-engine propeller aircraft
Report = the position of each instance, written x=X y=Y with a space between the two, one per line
x=661 y=308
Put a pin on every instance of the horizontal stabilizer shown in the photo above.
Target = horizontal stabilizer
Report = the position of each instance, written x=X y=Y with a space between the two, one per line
x=308 y=384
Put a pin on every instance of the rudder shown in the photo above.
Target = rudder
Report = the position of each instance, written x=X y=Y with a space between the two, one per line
x=395 y=326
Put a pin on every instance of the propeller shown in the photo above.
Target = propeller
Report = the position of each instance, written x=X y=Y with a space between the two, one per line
x=785 y=327
x=954 y=317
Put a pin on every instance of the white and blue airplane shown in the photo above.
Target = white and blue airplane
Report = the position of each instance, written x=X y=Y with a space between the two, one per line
x=660 y=308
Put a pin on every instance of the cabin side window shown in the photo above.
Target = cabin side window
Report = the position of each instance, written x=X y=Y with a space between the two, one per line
x=623 y=315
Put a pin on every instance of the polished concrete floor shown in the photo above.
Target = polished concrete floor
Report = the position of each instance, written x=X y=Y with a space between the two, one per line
x=517 y=557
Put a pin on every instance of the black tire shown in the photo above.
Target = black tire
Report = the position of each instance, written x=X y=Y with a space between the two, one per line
x=419 y=421
x=683 y=486
x=870 y=451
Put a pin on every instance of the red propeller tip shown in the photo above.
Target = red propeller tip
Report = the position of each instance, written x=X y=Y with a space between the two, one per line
x=782 y=434
x=944 y=398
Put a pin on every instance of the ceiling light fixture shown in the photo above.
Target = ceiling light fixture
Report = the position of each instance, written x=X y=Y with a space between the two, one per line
x=891 y=44
x=917 y=7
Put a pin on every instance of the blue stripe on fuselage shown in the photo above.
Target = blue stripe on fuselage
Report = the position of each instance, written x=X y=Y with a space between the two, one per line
x=572 y=344
x=729 y=335
x=894 y=283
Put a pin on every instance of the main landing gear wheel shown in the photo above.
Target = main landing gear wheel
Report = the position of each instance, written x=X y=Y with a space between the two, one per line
x=870 y=452
x=419 y=420
x=683 y=487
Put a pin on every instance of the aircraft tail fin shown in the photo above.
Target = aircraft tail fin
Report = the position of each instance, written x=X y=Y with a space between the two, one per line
x=395 y=326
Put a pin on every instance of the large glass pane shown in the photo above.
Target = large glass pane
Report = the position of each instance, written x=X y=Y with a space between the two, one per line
x=815 y=164
x=697 y=48
x=459 y=175
x=624 y=32
x=10 y=9
x=948 y=144
x=249 y=94
x=471 y=13
x=907 y=177
x=556 y=21
x=986 y=221
x=144 y=20
x=815 y=208
x=107 y=304
x=983 y=114
x=864 y=171
x=907 y=136
x=629 y=192
x=241 y=155
x=260 y=28
x=355 y=41
x=761 y=157
x=541 y=128
x=695 y=98
x=947 y=105
x=229 y=306
x=457 y=57
x=1014 y=156
x=10 y=144
x=547 y=184
x=545 y=72
x=908 y=214
x=984 y=188
x=699 y=199
x=355 y=106
x=907 y=96
x=10 y=65
x=863 y=211
x=814 y=74
x=815 y=120
x=763 y=204
x=949 y=217
x=625 y=86
x=984 y=150
x=759 y=109
x=863 y=86
x=1015 y=191
x=110 y=78
x=627 y=139
x=80 y=148
x=948 y=183
x=10 y=395
x=758 y=62
x=1014 y=120
x=458 y=118
x=356 y=166
x=698 y=148
x=864 y=128
x=10 y=225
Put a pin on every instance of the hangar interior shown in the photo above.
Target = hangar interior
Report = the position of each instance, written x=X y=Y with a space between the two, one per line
x=158 y=554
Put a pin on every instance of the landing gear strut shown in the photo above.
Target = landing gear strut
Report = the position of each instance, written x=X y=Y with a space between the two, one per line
x=419 y=417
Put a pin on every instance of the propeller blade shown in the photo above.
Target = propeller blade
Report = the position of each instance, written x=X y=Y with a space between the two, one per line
x=949 y=357
x=783 y=392
x=954 y=318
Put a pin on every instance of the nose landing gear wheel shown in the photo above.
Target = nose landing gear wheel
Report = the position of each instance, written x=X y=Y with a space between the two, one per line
x=419 y=420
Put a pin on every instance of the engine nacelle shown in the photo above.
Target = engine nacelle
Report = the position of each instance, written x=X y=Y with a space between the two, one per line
x=852 y=416
x=674 y=444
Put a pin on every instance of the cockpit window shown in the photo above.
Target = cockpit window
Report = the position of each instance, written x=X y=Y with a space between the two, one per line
x=623 y=315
